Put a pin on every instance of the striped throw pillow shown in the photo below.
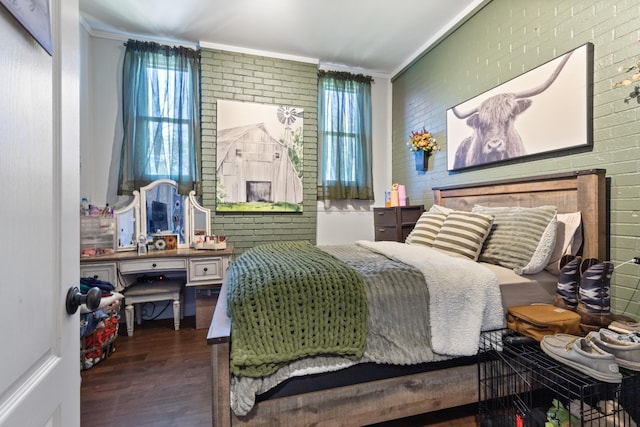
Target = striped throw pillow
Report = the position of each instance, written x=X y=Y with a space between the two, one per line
x=463 y=233
x=516 y=236
x=426 y=229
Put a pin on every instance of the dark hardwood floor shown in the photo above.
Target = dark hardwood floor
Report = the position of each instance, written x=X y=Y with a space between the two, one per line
x=161 y=377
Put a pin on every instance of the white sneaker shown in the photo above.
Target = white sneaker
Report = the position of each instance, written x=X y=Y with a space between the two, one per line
x=582 y=355
x=624 y=326
x=624 y=347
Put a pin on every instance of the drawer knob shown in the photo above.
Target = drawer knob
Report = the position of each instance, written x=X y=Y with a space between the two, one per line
x=154 y=265
x=205 y=269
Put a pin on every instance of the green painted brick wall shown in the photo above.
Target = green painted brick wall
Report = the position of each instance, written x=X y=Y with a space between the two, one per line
x=503 y=40
x=256 y=79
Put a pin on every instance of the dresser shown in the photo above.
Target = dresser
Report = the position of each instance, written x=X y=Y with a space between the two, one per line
x=395 y=223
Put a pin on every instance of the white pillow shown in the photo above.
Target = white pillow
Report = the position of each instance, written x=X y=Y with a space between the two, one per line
x=568 y=239
x=540 y=258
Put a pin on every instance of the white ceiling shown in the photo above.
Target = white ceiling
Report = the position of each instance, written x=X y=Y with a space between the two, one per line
x=376 y=36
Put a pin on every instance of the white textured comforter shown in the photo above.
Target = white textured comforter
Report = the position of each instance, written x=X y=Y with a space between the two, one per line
x=407 y=323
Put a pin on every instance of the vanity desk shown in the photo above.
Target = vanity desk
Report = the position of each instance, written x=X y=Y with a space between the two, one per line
x=157 y=212
x=201 y=267
x=204 y=270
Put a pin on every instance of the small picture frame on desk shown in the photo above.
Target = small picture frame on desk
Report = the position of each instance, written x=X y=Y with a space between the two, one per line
x=165 y=242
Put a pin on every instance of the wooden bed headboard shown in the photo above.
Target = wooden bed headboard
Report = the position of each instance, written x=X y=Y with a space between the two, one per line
x=583 y=191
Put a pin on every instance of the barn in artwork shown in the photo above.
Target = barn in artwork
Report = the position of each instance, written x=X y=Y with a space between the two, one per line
x=259 y=171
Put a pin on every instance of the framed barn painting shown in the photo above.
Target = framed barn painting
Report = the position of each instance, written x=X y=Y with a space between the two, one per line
x=547 y=109
x=259 y=158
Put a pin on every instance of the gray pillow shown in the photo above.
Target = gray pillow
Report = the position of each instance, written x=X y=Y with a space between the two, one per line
x=517 y=239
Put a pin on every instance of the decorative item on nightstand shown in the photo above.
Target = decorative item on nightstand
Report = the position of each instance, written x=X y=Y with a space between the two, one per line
x=422 y=143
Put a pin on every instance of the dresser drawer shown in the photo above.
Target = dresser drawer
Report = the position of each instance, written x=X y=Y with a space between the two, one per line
x=206 y=269
x=102 y=271
x=384 y=217
x=386 y=233
x=157 y=264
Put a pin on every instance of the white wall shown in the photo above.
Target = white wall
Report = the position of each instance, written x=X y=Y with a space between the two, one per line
x=102 y=119
x=102 y=134
x=346 y=224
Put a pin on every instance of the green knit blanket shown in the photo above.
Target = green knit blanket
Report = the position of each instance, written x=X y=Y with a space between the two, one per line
x=289 y=300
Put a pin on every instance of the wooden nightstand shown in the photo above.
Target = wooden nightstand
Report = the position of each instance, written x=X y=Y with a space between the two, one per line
x=395 y=223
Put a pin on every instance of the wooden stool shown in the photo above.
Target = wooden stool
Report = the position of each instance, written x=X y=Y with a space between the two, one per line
x=164 y=290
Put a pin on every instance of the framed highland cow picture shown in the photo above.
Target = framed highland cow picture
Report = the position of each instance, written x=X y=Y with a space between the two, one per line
x=547 y=109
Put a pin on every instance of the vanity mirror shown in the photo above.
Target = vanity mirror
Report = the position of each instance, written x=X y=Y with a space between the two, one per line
x=158 y=211
x=162 y=210
x=127 y=224
x=199 y=219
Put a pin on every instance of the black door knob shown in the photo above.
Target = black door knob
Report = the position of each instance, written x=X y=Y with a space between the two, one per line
x=74 y=298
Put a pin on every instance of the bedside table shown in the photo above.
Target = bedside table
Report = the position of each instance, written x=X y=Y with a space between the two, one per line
x=395 y=223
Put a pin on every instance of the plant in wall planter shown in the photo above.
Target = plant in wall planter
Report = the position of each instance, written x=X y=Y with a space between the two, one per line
x=633 y=79
x=422 y=144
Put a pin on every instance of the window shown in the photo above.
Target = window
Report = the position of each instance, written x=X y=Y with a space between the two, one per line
x=346 y=134
x=167 y=125
x=344 y=130
x=161 y=117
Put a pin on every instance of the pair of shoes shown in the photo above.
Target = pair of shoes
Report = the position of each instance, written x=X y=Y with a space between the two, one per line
x=624 y=347
x=583 y=286
x=580 y=354
x=625 y=326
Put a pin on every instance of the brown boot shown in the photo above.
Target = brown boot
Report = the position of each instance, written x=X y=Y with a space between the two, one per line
x=593 y=294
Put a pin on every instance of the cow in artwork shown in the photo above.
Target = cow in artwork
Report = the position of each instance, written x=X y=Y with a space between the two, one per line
x=494 y=135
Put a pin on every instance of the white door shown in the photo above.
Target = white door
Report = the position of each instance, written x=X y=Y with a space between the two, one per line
x=39 y=236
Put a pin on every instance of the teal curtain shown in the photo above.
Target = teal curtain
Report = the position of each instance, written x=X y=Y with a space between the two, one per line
x=344 y=134
x=161 y=117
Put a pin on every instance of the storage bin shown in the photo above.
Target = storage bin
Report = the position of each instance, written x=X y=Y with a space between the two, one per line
x=101 y=342
x=97 y=235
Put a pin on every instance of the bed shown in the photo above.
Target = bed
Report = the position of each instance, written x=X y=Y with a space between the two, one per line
x=442 y=384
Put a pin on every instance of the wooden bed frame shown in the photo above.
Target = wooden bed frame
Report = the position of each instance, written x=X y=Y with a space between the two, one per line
x=388 y=399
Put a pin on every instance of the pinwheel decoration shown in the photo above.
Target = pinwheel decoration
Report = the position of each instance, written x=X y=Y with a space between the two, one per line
x=288 y=115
